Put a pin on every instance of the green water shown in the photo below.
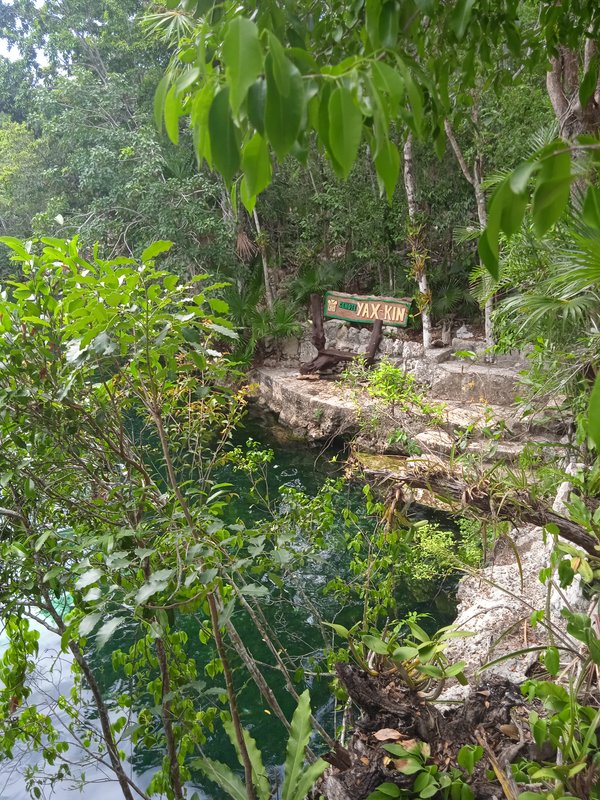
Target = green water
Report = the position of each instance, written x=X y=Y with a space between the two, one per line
x=292 y=610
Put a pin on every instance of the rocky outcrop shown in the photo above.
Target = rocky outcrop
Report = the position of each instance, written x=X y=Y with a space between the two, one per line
x=322 y=409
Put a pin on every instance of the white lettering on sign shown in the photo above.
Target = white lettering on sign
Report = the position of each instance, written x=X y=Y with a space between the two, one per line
x=375 y=310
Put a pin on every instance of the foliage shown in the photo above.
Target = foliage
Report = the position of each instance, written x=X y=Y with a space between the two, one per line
x=405 y=648
x=297 y=779
x=430 y=780
x=103 y=532
x=394 y=386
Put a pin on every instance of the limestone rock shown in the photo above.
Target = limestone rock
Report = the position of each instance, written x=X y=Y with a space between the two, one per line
x=290 y=347
x=413 y=350
x=464 y=333
x=307 y=352
x=418 y=367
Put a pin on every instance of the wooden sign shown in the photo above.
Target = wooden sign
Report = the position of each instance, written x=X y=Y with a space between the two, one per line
x=356 y=308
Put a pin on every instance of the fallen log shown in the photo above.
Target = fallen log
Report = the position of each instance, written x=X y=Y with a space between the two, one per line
x=515 y=507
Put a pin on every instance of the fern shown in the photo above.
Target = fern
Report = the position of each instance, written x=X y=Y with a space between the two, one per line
x=223 y=776
x=299 y=735
x=298 y=779
x=259 y=774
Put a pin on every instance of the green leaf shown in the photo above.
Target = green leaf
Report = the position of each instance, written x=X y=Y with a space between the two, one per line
x=372 y=12
x=520 y=177
x=345 y=128
x=339 y=629
x=552 y=660
x=388 y=81
x=415 y=98
x=172 y=109
x=218 y=306
x=300 y=731
x=280 y=68
x=594 y=414
x=259 y=773
x=156 y=248
x=159 y=100
x=459 y=19
x=223 y=776
x=223 y=137
x=389 y=18
x=552 y=191
x=16 y=245
x=387 y=164
x=255 y=104
x=256 y=164
x=107 y=630
x=201 y=104
x=88 y=577
x=283 y=112
x=405 y=653
x=375 y=644
x=88 y=623
x=222 y=330
x=589 y=83
x=243 y=58
x=310 y=775
x=389 y=789
x=591 y=207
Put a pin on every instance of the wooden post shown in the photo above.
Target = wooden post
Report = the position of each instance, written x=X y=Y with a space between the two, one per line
x=316 y=310
x=374 y=341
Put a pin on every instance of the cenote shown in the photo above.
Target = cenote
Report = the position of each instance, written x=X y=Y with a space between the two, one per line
x=294 y=607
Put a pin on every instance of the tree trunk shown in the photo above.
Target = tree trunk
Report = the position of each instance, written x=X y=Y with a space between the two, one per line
x=167 y=717
x=103 y=715
x=563 y=84
x=265 y=264
x=418 y=257
x=475 y=178
x=516 y=507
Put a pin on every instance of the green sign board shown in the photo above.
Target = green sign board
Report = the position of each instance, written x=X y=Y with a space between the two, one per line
x=359 y=308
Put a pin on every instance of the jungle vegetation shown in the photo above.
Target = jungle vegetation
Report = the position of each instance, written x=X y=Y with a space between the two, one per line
x=175 y=180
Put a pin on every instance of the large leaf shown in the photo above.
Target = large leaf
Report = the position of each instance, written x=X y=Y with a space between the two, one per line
x=223 y=776
x=591 y=208
x=156 y=248
x=283 y=112
x=594 y=414
x=553 y=189
x=459 y=19
x=300 y=731
x=107 y=630
x=255 y=104
x=243 y=58
x=345 y=128
x=223 y=137
x=256 y=164
x=259 y=773
x=388 y=81
x=309 y=776
x=159 y=100
x=387 y=164
x=89 y=576
x=172 y=112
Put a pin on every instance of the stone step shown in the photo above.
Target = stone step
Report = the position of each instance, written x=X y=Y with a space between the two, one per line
x=475 y=383
x=481 y=420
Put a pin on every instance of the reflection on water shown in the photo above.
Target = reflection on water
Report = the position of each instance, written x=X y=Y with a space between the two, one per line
x=294 y=609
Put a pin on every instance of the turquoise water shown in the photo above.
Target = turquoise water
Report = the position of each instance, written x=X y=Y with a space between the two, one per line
x=293 y=610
